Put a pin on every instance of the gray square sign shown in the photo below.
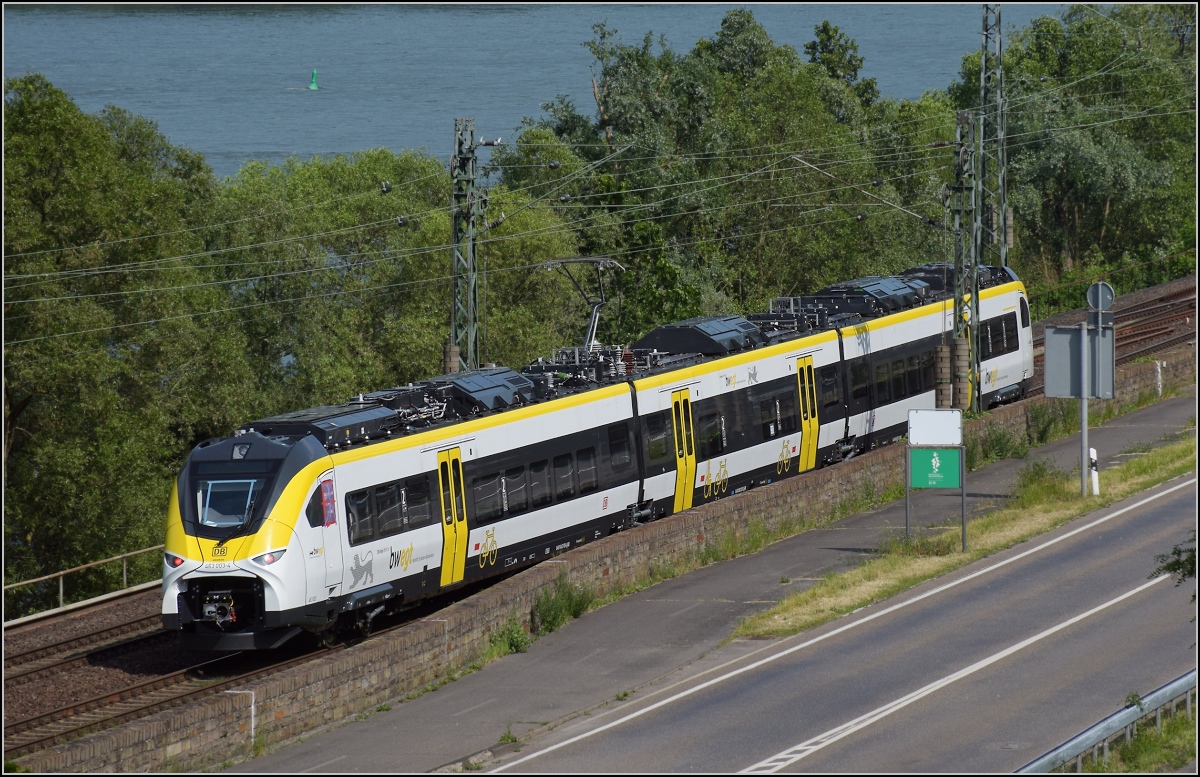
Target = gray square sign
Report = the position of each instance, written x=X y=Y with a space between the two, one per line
x=1062 y=363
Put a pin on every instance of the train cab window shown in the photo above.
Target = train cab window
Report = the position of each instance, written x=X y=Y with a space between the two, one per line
x=358 y=517
x=389 y=514
x=564 y=477
x=416 y=502
x=539 y=483
x=315 y=512
x=898 y=390
x=618 y=446
x=1024 y=314
x=488 y=503
x=516 y=496
x=831 y=387
x=883 y=394
x=586 y=461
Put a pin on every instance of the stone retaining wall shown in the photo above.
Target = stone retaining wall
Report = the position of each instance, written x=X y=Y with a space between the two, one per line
x=357 y=680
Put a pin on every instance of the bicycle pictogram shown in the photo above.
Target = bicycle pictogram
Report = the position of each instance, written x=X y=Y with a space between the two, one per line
x=489 y=549
x=784 y=463
x=719 y=483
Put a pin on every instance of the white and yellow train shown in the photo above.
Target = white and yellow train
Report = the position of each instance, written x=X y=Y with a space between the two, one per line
x=321 y=519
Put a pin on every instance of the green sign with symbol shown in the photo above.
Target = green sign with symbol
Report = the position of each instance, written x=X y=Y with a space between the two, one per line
x=934 y=468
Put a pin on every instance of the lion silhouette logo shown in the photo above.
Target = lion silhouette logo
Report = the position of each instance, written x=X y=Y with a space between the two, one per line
x=362 y=570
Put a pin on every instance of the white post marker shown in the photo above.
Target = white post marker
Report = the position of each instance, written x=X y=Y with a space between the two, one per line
x=1095 y=473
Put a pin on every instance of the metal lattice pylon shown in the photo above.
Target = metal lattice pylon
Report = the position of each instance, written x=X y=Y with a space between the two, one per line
x=467 y=211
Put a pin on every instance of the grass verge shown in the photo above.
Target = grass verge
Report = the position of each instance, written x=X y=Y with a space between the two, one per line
x=1150 y=751
x=1043 y=499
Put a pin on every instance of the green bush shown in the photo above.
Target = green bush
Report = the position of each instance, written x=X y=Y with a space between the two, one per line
x=560 y=604
x=511 y=638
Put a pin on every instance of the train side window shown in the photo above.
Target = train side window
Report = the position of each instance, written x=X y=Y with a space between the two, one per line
x=708 y=428
x=658 y=439
x=387 y=508
x=914 y=376
x=515 y=493
x=898 y=391
x=358 y=516
x=1011 y=343
x=860 y=378
x=1024 y=314
x=788 y=422
x=618 y=446
x=488 y=504
x=564 y=480
x=586 y=461
x=882 y=385
x=831 y=387
x=315 y=512
x=768 y=416
x=539 y=483
x=928 y=378
x=417 y=503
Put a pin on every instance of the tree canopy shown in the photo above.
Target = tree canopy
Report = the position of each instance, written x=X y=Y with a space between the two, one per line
x=149 y=306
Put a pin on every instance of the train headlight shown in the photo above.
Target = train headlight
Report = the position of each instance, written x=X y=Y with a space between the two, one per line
x=172 y=560
x=267 y=559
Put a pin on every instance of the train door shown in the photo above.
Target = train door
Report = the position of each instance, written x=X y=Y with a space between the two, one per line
x=809 y=426
x=320 y=541
x=454 y=516
x=685 y=449
x=331 y=535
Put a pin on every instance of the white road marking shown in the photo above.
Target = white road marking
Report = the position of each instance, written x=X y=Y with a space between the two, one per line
x=866 y=619
x=791 y=755
x=471 y=709
x=321 y=765
x=685 y=609
x=589 y=655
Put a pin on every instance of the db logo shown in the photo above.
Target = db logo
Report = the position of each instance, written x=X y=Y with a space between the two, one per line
x=220 y=550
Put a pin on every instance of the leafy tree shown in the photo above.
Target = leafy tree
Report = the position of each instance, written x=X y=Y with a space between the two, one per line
x=1101 y=129
x=110 y=373
x=1180 y=563
x=837 y=55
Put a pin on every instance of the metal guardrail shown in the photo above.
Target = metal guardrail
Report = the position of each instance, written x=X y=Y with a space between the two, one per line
x=1125 y=721
x=123 y=558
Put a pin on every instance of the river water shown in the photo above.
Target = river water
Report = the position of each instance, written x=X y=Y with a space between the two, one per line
x=232 y=81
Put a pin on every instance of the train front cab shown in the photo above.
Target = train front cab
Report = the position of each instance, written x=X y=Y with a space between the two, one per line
x=241 y=548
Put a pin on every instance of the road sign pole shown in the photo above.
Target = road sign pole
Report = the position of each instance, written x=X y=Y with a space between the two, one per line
x=907 y=482
x=962 y=469
x=1084 y=385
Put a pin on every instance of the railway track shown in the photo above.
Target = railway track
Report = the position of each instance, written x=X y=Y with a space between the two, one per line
x=37 y=732
x=137 y=700
x=1141 y=329
x=20 y=667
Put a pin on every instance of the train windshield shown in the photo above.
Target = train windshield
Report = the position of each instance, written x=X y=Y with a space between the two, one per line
x=228 y=494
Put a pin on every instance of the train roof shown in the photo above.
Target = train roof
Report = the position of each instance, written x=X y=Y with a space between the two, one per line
x=457 y=397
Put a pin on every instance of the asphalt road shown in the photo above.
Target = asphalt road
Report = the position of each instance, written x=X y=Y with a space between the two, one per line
x=656 y=641
x=977 y=672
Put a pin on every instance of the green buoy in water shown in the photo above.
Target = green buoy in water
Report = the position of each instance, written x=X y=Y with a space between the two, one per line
x=313 y=85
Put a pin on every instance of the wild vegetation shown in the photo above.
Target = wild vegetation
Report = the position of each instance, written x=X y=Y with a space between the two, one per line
x=149 y=305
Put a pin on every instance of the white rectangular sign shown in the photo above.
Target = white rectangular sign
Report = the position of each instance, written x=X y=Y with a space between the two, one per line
x=935 y=427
